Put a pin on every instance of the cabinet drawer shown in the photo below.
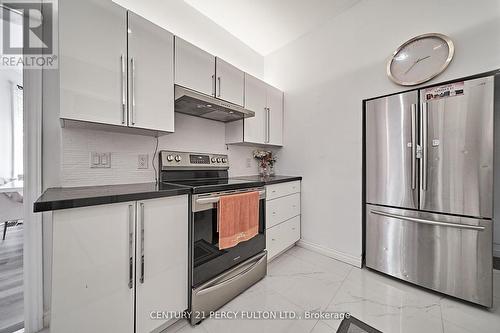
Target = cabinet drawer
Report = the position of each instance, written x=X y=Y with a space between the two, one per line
x=282 y=236
x=283 y=189
x=282 y=209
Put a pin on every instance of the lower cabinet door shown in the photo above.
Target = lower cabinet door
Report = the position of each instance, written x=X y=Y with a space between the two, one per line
x=92 y=285
x=161 y=260
x=282 y=236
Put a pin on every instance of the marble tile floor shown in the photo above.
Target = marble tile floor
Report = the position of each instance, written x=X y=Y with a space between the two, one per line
x=301 y=280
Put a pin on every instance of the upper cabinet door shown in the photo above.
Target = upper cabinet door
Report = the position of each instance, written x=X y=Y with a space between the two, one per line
x=151 y=75
x=275 y=116
x=194 y=68
x=230 y=83
x=255 y=100
x=92 y=61
x=162 y=259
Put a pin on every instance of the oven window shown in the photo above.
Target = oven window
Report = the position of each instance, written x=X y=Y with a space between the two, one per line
x=208 y=259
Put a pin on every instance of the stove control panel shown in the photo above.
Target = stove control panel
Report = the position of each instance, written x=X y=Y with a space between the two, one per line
x=176 y=159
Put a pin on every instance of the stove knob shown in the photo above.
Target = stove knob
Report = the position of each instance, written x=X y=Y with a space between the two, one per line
x=178 y=158
x=224 y=160
x=170 y=158
x=214 y=160
x=219 y=160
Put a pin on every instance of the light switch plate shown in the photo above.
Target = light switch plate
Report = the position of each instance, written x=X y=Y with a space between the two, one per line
x=100 y=160
x=95 y=160
x=105 y=160
x=143 y=161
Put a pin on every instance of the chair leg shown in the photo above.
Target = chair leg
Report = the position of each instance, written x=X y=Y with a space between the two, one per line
x=5 y=229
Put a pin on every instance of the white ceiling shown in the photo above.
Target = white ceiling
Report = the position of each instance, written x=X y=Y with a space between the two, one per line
x=267 y=25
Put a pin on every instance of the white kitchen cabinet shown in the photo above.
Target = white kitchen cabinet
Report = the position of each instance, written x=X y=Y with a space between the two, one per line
x=92 y=56
x=162 y=282
x=151 y=75
x=91 y=269
x=194 y=68
x=282 y=236
x=275 y=117
x=230 y=84
x=97 y=81
x=282 y=217
x=97 y=265
x=256 y=101
x=266 y=128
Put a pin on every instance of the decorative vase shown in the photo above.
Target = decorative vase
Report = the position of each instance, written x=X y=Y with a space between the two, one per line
x=264 y=170
x=271 y=170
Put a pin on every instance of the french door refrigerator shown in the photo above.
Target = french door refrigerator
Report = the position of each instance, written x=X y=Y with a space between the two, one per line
x=429 y=187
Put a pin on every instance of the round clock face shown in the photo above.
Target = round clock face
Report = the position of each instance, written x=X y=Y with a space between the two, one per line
x=420 y=59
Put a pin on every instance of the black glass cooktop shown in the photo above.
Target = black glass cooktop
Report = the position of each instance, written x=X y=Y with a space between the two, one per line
x=219 y=184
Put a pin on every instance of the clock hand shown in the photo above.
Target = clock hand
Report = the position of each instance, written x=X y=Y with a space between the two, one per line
x=416 y=62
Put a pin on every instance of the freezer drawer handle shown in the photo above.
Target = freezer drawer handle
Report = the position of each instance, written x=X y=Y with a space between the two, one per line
x=423 y=221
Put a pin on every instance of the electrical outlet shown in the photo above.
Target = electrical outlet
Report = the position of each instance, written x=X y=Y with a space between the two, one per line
x=143 y=162
x=249 y=162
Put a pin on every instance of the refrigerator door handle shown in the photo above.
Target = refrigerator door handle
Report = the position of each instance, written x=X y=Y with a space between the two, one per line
x=413 y=146
x=423 y=145
x=430 y=222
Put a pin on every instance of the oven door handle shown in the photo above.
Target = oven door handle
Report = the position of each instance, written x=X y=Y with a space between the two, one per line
x=212 y=200
x=250 y=266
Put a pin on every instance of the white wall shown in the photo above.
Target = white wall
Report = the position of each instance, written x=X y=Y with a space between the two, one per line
x=327 y=73
x=184 y=21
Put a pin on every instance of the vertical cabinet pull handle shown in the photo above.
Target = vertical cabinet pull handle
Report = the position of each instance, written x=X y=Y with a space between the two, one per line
x=131 y=246
x=124 y=89
x=413 y=146
x=268 y=124
x=141 y=279
x=213 y=85
x=423 y=138
x=132 y=91
x=219 y=80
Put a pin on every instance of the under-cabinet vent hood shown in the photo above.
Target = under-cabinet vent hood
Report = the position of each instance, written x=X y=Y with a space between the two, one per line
x=193 y=103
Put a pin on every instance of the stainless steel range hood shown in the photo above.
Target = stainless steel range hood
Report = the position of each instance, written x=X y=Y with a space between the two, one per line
x=196 y=104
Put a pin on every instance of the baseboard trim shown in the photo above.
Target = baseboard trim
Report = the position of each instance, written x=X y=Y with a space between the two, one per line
x=338 y=255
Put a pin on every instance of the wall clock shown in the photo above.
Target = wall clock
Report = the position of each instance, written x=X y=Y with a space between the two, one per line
x=420 y=59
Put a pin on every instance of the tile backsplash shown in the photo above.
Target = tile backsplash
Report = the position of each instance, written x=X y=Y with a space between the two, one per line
x=192 y=134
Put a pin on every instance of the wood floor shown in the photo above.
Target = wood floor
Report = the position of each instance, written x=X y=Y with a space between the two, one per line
x=11 y=280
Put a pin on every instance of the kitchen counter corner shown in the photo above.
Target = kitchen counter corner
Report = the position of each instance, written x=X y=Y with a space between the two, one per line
x=73 y=197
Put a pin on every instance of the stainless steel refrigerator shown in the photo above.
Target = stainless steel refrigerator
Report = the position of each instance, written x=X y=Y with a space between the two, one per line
x=429 y=187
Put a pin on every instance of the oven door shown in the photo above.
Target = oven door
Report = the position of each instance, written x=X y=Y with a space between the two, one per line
x=208 y=261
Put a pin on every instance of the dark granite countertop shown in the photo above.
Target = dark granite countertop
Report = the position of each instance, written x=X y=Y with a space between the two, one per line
x=276 y=179
x=73 y=197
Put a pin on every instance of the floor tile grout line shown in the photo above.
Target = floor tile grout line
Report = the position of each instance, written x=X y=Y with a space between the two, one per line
x=338 y=290
x=312 y=329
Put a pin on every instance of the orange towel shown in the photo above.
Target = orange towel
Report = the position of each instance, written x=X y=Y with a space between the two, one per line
x=238 y=218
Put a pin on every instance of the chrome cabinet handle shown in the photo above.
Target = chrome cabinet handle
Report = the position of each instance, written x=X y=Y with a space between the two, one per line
x=141 y=279
x=268 y=128
x=131 y=246
x=413 y=146
x=124 y=89
x=219 y=80
x=423 y=138
x=429 y=222
x=213 y=85
x=132 y=89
